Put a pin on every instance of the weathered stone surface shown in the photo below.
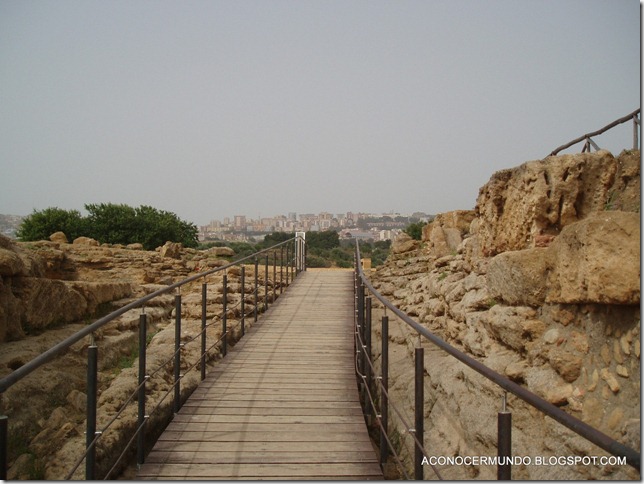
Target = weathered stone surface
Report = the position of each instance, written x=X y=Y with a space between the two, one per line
x=445 y=233
x=171 y=249
x=597 y=260
x=519 y=278
x=221 y=251
x=59 y=238
x=404 y=243
x=541 y=197
x=86 y=241
x=10 y=263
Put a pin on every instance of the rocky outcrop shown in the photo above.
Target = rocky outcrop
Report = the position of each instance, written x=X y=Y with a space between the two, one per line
x=541 y=282
x=541 y=197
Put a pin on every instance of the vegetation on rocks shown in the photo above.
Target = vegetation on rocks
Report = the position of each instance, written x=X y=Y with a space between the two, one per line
x=111 y=223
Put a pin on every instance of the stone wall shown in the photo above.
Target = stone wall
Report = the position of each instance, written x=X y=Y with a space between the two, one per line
x=541 y=282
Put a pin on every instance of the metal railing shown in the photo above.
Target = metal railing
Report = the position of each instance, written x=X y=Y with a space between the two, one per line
x=369 y=379
x=588 y=142
x=291 y=255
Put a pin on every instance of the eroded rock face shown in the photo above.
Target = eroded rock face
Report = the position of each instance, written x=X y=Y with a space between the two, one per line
x=593 y=261
x=544 y=288
x=541 y=197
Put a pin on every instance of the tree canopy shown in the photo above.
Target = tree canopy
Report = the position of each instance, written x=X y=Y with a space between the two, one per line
x=111 y=223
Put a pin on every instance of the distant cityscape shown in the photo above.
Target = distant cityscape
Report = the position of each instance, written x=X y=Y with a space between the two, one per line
x=241 y=228
x=360 y=225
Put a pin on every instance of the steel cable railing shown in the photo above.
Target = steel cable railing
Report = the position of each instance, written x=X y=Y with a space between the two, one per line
x=158 y=405
x=631 y=456
x=372 y=403
x=294 y=263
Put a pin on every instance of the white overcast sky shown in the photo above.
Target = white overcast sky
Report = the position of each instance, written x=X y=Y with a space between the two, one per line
x=262 y=107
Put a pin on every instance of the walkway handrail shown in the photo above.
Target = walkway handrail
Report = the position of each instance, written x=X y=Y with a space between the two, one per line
x=589 y=142
x=579 y=427
x=56 y=350
x=295 y=262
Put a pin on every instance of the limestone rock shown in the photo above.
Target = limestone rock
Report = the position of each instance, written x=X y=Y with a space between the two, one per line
x=445 y=233
x=404 y=243
x=86 y=241
x=221 y=251
x=541 y=197
x=519 y=278
x=597 y=260
x=171 y=250
x=10 y=263
x=59 y=238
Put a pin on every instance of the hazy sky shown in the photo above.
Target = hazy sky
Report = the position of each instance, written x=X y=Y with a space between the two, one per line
x=215 y=108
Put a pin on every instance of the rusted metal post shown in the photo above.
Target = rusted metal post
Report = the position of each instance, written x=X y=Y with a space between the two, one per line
x=384 y=401
x=287 y=264
x=92 y=391
x=256 y=286
x=224 y=318
x=242 y=303
x=274 y=278
x=367 y=354
x=266 y=285
x=281 y=267
x=177 y=353
x=204 y=306
x=419 y=421
x=141 y=418
x=504 y=443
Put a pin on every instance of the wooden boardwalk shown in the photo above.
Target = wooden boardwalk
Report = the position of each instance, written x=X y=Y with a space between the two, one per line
x=283 y=404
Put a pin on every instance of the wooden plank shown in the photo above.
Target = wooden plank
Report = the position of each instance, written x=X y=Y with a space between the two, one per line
x=283 y=404
x=260 y=457
x=260 y=471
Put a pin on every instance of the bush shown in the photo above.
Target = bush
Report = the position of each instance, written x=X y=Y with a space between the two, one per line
x=415 y=230
x=113 y=224
x=40 y=225
x=316 y=261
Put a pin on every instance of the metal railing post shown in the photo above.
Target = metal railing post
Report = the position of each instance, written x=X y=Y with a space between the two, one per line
x=242 y=303
x=281 y=268
x=274 y=278
x=90 y=431
x=141 y=418
x=419 y=404
x=266 y=285
x=4 y=438
x=224 y=318
x=256 y=286
x=288 y=268
x=204 y=307
x=384 y=401
x=177 y=353
x=367 y=354
x=504 y=443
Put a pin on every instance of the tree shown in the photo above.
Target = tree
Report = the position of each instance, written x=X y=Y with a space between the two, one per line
x=415 y=230
x=275 y=238
x=41 y=224
x=322 y=240
x=112 y=223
